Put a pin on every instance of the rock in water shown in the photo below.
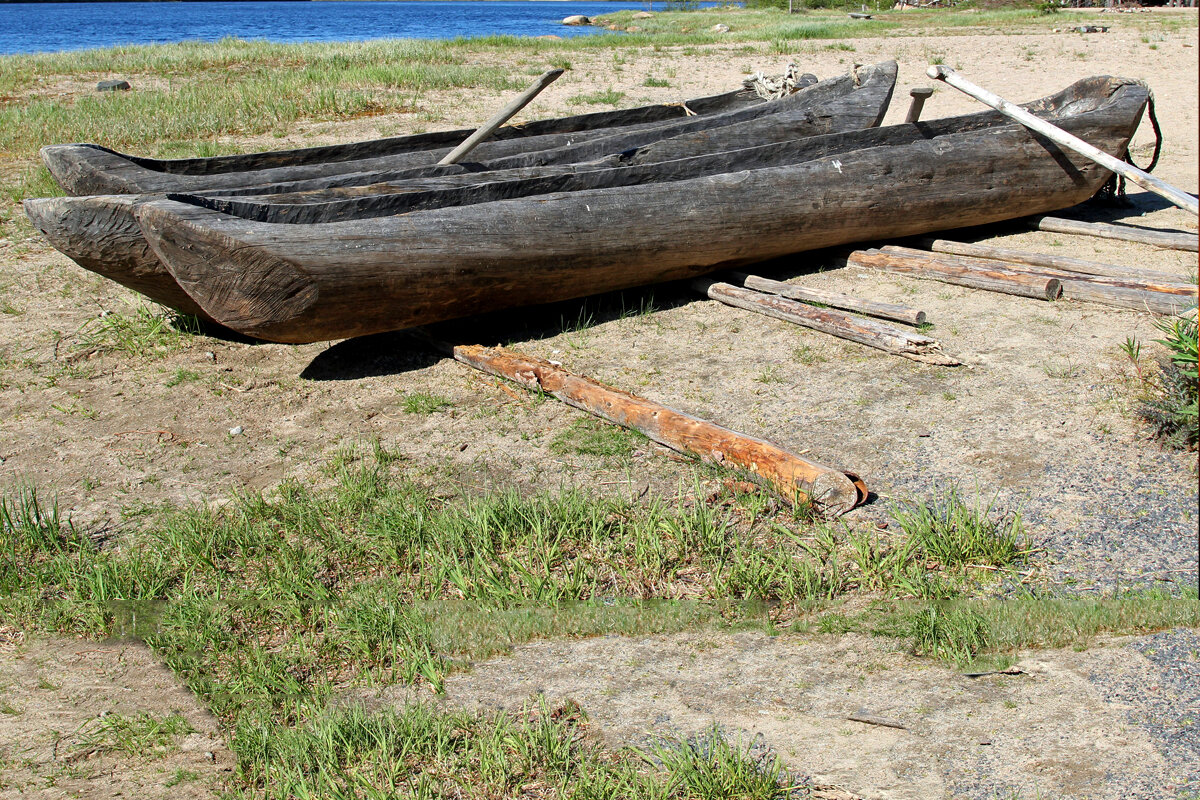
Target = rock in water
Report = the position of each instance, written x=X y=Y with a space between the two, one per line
x=113 y=86
x=576 y=19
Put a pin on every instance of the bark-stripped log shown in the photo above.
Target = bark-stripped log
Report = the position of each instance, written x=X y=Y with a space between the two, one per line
x=996 y=279
x=844 y=326
x=502 y=116
x=1170 y=240
x=1141 y=295
x=830 y=491
x=1064 y=263
x=833 y=299
x=1069 y=140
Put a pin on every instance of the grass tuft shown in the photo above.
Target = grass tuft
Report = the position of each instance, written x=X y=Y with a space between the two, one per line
x=957 y=534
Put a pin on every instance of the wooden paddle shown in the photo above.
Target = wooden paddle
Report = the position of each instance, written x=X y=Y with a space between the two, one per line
x=1057 y=135
x=502 y=116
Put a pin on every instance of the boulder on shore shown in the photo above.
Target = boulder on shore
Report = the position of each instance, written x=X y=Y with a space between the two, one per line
x=576 y=19
x=643 y=15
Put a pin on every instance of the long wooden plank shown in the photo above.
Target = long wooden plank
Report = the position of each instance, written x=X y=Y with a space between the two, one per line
x=1064 y=263
x=1125 y=233
x=1140 y=295
x=830 y=491
x=1066 y=139
x=834 y=299
x=870 y=332
x=993 y=279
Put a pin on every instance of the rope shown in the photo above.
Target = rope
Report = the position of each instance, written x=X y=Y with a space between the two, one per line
x=774 y=87
x=1113 y=190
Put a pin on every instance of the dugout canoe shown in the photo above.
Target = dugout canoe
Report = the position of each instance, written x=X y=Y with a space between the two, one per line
x=101 y=234
x=83 y=169
x=310 y=282
x=91 y=169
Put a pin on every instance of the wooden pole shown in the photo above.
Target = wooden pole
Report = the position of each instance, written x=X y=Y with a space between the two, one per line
x=1076 y=265
x=1124 y=233
x=1140 y=295
x=834 y=299
x=919 y=95
x=992 y=279
x=501 y=117
x=830 y=491
x=856 y=329
x=1063 y=138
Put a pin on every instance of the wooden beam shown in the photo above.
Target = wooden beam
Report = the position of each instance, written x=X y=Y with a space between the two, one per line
x=502 y=116
x=1076 y=265
x=834 y=299
x=1171 y=240
x=1140 y=295
x=1005 y=281
x=830 y=491
x=1070 y=141
x=875 y=334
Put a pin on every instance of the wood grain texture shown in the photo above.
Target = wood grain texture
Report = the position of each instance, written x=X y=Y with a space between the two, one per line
x=871 y=333
x=72 y=223
x=97 y=171
x=830 y=491
x=1125 y=233
x=833 y=299
x=1064 y=263
x=987 y=278
x=83 y=169
x=297 y=283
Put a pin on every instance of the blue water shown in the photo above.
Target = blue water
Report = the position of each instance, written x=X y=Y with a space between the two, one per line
x=38 y=27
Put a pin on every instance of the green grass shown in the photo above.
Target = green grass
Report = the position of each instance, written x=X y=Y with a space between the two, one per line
x=141 y=332
x=424 y=403
x=610 y=97
x=268 y=609
x=138 y=735
x=591 y=437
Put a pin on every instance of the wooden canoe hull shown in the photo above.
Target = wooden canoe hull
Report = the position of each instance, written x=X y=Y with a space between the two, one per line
x=304 y=283
x=101 y=233
x=83 y=169
x=88 y=169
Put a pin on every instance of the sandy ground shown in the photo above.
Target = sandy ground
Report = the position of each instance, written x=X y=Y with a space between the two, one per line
x=1040 y=417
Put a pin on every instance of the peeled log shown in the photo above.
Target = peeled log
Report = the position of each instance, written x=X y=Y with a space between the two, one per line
x=1140 y=295
x=1126 y=233
x=1064 y=263
x=808 y=295
x=995 y=279
x=828 y=490
x=856 y=329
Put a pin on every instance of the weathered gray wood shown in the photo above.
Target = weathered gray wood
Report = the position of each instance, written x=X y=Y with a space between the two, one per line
x=1060 y=137
x=299 y=283
x=835 y=323
x=830 y=491
x=1063 y=263
x=502 y=116
x=1124 y=233
x=104 y=172
x=919 y=96
x=81 y=168
x=833 y=299
x=990 y=279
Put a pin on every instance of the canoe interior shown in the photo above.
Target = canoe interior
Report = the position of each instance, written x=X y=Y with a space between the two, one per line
x=661 y=112
x=631 y=168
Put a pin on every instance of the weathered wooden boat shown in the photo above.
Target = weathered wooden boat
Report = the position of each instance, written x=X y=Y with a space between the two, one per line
x=90 y=169
x=83 y=169
x=309 y=282
x=101 y=233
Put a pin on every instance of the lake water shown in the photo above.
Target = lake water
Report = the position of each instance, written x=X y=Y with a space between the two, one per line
x=38 y=27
